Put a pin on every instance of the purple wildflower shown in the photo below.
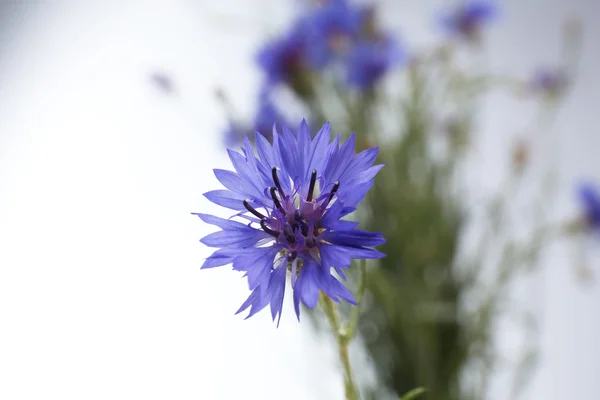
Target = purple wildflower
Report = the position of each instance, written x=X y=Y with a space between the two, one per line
x=317 y=37
x=590 y=200
x=466 y=20
x=293 y=195
x=549 y=81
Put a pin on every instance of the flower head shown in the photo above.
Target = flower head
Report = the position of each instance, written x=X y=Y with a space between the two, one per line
x=466 y=20
x=590 y=200
x=549 y=81
x=315 y=39
x=293 y=195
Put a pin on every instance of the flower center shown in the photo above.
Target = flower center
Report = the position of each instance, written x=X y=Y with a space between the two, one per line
x=294 y=222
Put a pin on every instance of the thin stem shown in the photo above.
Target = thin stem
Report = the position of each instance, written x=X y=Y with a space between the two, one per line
x=342 y=340
x=345 y=334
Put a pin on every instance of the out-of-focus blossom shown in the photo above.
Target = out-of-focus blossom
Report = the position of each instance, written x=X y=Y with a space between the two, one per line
x=292 y=196
x=337 y=32
x=590 y=201
x=369 y=60
x=316 y=38
x=549 y=81
x=467 y=19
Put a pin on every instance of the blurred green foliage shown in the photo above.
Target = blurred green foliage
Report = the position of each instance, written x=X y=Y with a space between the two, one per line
x=411 y=326
x=413 y=320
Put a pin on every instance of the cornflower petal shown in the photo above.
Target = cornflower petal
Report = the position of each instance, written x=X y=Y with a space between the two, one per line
x=226 y=198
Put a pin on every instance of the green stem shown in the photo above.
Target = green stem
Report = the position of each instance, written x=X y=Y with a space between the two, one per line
x=345 y=334
x=342 y=340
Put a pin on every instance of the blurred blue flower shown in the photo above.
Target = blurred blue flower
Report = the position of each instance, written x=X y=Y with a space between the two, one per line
x=466 y=20
x=590 y=200
x=293 y=195
x=314 y=40
x=369 y=60
x=549 y=81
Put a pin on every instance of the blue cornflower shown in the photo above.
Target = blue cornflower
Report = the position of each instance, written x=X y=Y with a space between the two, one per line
x=549 y=81
x=316 y=39
x=369 y=60
x=467 y=19
x=293 y=195
x=590 y=200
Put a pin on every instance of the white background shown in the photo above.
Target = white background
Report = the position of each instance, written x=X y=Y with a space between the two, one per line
x=100 y=291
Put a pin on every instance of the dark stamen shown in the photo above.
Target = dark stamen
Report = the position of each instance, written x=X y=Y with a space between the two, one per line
x=263 y=225
x=276 y=200
x=303 y=228
x=311 y=242
x=253 y=210
x=288 y=232
x=277 y=183
x=335 y=188
x=311 y=187
x=303 y=225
